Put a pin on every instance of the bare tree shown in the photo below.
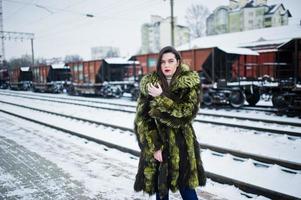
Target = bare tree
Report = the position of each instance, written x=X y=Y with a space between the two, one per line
x=23 y=61
x=195 y=17
x=72 y=58
x=113 y=52
x=40 y=61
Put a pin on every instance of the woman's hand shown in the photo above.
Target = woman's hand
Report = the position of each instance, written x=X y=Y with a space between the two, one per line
x=154 y=90
x=158 y=155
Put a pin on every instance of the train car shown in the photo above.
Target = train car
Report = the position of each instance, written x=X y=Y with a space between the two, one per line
x=286 y=94
x=274 y=72
x=20 y=78
x=220 y=77
x=109 y=77
x=84 y=77
x=4 y=78
x=50 y=78
x=210 y=63
x=147 y=62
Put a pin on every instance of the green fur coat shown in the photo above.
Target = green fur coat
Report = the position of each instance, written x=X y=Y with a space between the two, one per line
x=165 y=122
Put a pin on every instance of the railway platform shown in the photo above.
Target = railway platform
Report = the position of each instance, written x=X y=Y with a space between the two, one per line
x=27 y=175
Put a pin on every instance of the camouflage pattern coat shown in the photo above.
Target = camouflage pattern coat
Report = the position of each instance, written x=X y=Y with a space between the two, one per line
x=165 y=122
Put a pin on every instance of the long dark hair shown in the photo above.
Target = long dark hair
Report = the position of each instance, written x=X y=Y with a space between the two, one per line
x=168 y=49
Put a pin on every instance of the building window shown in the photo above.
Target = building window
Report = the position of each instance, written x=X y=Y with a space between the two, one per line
x=259 y=12
x=222 y=16
x=268 y=22
x=282 y=20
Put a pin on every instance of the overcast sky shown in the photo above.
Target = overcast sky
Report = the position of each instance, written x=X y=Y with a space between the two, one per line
x=61 y=27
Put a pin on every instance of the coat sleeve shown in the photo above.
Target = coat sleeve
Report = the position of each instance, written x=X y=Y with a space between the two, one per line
x=145 y=127
x=176 y=113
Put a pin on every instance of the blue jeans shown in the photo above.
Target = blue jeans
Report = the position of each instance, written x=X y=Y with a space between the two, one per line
x=186 y=193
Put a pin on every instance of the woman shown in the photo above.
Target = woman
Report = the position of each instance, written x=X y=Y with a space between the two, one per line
x=168 y=102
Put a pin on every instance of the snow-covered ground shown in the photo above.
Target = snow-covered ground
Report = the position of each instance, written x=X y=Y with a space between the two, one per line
x=104 y=173
x=252 y=114
x=272 y=145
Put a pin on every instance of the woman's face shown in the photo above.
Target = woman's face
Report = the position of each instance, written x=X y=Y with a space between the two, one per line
x=169 y=64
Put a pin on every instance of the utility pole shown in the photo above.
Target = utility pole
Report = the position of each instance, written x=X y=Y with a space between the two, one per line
x=2 y=54
x=19 y=36
x=32 y=52
x=12 y=35
x=172 y=23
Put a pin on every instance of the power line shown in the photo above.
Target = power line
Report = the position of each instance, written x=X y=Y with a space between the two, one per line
x=43 y=7
x=43 y=18
x=49 y=9
x=103 y=18
x=16 y=11
x=118 y=12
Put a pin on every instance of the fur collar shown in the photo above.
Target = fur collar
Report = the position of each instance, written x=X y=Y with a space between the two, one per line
x=186 y=79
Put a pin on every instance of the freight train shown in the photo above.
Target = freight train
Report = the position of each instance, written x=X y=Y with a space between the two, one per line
x=110 y=77
x=41 y=78
x=229 y=75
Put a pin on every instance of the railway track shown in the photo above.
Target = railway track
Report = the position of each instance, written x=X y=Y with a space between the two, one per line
x=268 y=143
x=216 y=119
x=268 y=160
x=99 y=101
x=264 y=109
x=215 y=177
x=222 y=107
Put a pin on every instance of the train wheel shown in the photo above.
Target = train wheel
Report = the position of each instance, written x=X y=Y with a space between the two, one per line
x=207 y=99
x=135 y=94
x=279 y=101
x=34 y=89
x=118 y=93
x=70 y=90
x=252 y=96
x=237 y=99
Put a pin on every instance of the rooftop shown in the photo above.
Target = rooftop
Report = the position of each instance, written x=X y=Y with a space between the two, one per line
x=265 y=36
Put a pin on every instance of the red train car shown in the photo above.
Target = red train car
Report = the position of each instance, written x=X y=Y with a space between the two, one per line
x=20 y=78
x=109 y=77
x=214 y=64
x=214 y=58
x=193 y=58
x=50 y=78
x=4 y=78
x=84 y=76
x=147 y=63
